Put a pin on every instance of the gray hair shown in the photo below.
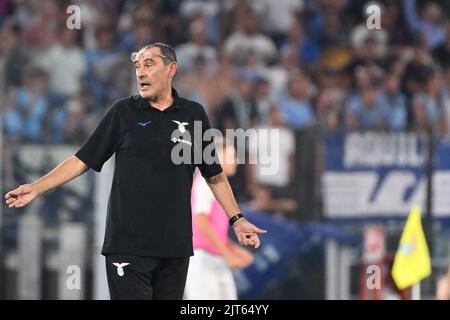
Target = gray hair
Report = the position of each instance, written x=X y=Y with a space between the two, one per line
x=167 y=52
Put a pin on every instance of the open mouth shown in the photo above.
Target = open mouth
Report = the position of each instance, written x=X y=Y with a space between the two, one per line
x=144 y=85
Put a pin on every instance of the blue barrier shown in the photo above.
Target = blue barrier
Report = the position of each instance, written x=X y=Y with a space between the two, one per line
x=285 y=241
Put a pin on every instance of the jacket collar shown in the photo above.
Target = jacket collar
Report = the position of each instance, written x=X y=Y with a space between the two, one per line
x=176 y=105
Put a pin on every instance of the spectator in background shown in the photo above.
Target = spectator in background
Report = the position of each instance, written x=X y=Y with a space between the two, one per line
x=248 y=38
x=395 y=103
x=429 y=24
x=32 y=103
x=429 y=105
x=275 y=142
x=295 y=104
x=214 y=253
x=120 y=84
x=330 y=100
x=13 y=122
x=65 y=64
x=365 y=110
x=307 y=50
x=393 y=24
x=271 y=158
x=335 y=32
x=87 y=117
x=278 y=74
x=133 y=34
x=213 y=89
x=141 y=33
x=329 y=111
x=442 y=53
x=367 y=75
x=192 y=84
x=3 y=8
x=416 y=63
x=139 y=10
x=199 y=81
x=333 y=83
x=13 y=57
x=279 y=16
x=197 y=46
x=372 y=45
x=263 y=100
x=240 y=110
x=22 y=13
x=365 y=59
x=222 y=81
x=42 y=24
x=75 y=119
x=89 y=20
x=446 y=91
x=101 y=62
x=209 y=9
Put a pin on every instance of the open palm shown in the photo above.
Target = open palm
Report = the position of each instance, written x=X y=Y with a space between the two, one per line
x=21 y=196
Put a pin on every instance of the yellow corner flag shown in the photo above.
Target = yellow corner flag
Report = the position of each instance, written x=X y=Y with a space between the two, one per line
x=412 y=260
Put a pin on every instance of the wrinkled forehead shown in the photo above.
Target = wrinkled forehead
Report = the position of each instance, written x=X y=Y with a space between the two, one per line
x=144 y=54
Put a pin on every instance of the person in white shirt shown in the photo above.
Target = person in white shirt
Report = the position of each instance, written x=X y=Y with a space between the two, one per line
x=210 y=274
x=65 y=64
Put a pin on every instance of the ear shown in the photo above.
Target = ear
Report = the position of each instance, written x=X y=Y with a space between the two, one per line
x=172 y=69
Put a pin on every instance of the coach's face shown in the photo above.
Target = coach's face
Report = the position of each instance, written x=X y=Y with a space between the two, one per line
x=153 y=74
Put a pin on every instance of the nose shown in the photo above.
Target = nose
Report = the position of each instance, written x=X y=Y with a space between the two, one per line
x=140 y=73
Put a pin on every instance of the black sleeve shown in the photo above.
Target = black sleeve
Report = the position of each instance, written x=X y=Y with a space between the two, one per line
x=103 y=142
x=208 y=169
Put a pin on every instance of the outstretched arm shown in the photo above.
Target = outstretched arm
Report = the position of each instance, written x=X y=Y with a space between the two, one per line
x=67 y=170
x=246 y=232
x=410 y=12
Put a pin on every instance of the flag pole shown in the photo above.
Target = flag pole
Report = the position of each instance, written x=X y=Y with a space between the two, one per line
x=415 y=291
x=428 y=219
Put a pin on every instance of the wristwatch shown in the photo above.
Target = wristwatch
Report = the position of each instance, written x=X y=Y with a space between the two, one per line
x=235 y=218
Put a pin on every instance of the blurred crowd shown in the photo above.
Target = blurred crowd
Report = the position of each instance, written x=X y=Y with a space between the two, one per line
x=287 y=64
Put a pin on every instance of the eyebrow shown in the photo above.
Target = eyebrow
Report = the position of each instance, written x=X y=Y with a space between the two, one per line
x=145 y=60
x=151 y=59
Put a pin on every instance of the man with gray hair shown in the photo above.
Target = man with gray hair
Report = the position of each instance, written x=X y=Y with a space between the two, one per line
x=148 y=239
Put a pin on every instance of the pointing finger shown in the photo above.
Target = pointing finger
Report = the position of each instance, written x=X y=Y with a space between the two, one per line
x=258 y=230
